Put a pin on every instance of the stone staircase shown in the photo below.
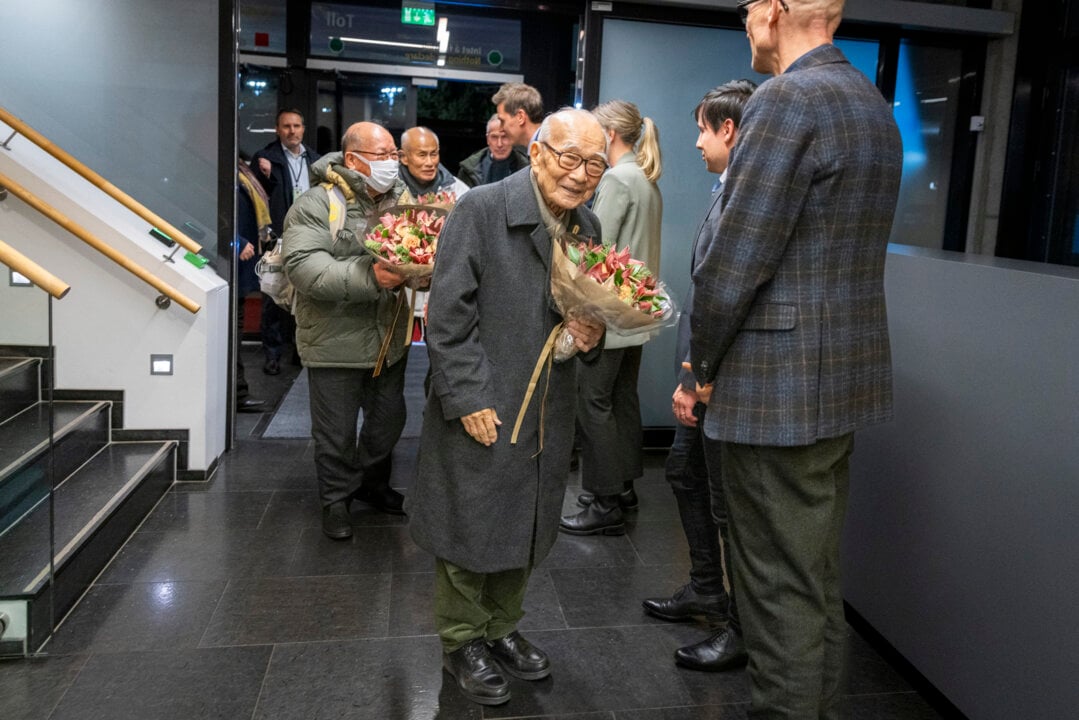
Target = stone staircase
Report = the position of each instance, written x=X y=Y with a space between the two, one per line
x=53 y=545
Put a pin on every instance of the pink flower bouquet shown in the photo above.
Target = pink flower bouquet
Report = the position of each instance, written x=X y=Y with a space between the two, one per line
x=605 y=283
x=406 y=239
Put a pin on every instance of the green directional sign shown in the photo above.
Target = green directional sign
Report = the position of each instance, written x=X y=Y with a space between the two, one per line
x=417 y=14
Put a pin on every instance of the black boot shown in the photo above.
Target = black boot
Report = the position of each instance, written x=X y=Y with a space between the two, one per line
x=602 y=516
x=687 y=604
x=336 y=522
x=382 y=497
x=627 y=499
x=519 y=657
x=476 y=673
x=726 y=650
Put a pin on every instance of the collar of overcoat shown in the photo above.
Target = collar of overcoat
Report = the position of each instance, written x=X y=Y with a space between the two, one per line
x=522 y=209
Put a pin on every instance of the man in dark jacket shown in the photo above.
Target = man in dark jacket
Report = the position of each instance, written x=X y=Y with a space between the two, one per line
x=487 y=507
x=282 y=168
x=498 y=160
x=420 y=169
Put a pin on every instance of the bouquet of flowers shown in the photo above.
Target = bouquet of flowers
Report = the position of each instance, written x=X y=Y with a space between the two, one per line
x=607 y=284
x=406 y=239
x=444 y=199
x=603 y=283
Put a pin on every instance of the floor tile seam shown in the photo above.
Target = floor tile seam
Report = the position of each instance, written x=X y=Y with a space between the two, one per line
x=561 y=605
x=210 y=622
x=265 y=678
x=59 y=700
x=885 y=693
x=266 y=510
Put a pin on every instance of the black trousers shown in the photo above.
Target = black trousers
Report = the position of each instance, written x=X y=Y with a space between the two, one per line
x=609 y=421
x=702 y=507
x=344 y=460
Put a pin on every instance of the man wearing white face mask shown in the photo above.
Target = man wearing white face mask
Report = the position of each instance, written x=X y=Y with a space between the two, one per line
x=345 y=306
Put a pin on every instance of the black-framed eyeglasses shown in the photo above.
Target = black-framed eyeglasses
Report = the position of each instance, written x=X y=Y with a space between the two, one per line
x=743 y=9
x=593 y=167
x=386 y=155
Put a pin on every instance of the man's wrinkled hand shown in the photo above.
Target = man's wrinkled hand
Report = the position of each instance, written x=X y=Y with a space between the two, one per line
x=682 y=404
x=248 y=251
x=265 y=167
x=482 y=426
x=586 y=333
x=386 y=279
x=703 y=392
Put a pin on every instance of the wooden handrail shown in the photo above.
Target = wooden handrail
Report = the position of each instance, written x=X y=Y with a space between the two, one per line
x=32 y=271
x=99 y=182
x=93 y=241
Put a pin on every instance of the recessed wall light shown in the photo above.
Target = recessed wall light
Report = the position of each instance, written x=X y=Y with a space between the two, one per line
x=161 y=364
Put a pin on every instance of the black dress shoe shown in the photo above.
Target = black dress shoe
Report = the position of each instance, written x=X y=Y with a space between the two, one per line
x=381 y=497
x=602 y=517
x=272 y=367
x=477 y=674
x=336 y=522
x=519 y=657
x=687 y=604
x=627 y=499
x=249 y=405
x=726 y=650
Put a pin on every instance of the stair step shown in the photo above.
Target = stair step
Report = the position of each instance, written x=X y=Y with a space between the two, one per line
x=81 y=428
x=20 y=385
x=82 y=504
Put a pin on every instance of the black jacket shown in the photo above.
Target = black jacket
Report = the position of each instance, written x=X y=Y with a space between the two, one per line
x=279 y=185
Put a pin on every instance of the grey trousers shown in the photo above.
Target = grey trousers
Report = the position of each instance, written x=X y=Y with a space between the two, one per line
x=609 y=421
x=786 y=507
x=344 y=461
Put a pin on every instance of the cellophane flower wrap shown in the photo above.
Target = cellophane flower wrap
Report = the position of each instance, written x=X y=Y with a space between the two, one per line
x=405 y=240
x=606 y=284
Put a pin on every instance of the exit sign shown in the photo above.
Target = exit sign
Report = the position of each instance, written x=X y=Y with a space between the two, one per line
x=417 y=13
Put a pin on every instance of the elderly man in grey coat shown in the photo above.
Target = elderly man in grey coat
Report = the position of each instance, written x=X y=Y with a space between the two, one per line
x=487 y=507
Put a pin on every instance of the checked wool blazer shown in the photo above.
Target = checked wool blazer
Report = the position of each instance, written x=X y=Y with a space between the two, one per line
x=788 y=316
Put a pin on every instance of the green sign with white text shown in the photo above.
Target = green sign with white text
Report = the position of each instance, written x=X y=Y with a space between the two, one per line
x=417 y=15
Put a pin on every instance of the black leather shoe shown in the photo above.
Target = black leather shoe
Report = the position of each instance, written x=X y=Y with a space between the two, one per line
x=249 y=405
x=687 y=604
x=519 y=657
x=627 y=499
x=602 y=517
x=726 y=650
x=477 y=674
x=272 y=367
x=336 y=522
x=383 y=498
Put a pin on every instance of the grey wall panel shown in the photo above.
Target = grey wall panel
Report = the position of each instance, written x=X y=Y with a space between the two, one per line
x=962 y=542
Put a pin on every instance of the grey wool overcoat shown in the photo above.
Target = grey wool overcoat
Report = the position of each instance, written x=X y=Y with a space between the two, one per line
x=490 y=310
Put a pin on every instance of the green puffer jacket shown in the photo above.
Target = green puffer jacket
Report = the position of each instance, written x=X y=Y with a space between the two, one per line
x=342 y=316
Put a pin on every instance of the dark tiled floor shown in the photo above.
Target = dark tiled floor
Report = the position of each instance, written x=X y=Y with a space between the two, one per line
x=229 y=603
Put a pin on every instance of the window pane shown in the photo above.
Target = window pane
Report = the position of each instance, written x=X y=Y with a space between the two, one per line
x=1064 y=242
x=262 y=26
x=926 y=102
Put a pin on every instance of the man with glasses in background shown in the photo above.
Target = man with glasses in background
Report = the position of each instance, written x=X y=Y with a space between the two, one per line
x=282 y=168
x=498 y=160
x=486 y=508
x=788 y=326
x=345 y=305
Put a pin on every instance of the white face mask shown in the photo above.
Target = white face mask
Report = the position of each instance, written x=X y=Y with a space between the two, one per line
x=383 y=175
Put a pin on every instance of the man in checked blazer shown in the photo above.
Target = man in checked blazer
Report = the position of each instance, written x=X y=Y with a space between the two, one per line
x=790 y=330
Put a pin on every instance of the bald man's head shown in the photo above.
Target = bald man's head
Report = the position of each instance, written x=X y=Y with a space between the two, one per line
x=420 y=153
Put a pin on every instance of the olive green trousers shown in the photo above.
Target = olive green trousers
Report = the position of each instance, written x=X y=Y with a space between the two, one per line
x=470 y=605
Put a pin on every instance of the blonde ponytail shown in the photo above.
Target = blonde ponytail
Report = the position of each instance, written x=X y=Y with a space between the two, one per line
x=648 y=154
x=625 y=119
